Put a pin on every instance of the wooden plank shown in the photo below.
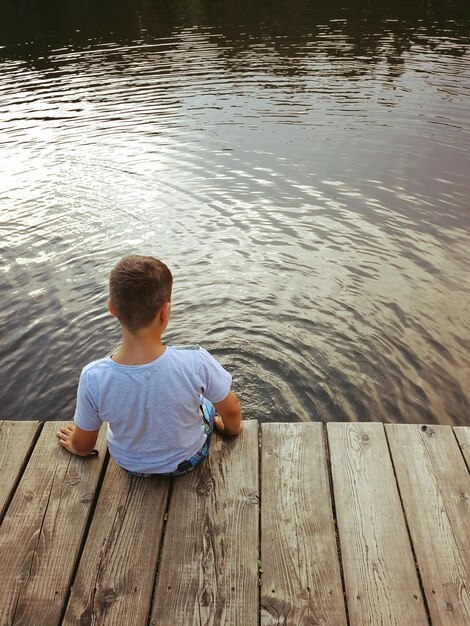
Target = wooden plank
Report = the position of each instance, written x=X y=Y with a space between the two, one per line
x=435 y=488
x=381 y=582
x=42 y=530
x=208 y=572
x=301 y=580
x=116 y=575
x=463 y=437
x=17 y=439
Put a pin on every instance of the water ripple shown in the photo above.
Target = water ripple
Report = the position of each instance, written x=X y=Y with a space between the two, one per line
x=307 y=183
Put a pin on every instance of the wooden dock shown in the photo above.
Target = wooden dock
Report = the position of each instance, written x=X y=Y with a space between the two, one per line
x=289 y=524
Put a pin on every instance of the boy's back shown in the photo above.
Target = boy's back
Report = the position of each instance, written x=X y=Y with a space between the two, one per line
x=153 y=410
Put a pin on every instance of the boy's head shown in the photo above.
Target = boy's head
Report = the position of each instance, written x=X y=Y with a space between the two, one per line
x=138 y=288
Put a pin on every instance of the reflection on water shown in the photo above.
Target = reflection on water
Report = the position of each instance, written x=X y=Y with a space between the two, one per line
x=302 y=169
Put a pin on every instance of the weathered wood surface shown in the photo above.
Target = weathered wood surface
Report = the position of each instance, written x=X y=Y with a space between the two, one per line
x=435 y=488
x=69 y=557
x=115 y=579
x=463 y=437
x=208 y=572
x=301 y=581
x=17 y=440
x=381 y=582
x=42 y=531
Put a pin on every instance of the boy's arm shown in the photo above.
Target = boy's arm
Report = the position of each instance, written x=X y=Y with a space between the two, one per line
x=231 y=414
x=76 y=440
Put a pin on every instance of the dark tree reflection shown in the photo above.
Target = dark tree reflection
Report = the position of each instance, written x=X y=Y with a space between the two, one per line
x=378 y=30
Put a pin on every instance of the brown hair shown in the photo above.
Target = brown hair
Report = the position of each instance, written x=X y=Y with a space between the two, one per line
x=138 y=287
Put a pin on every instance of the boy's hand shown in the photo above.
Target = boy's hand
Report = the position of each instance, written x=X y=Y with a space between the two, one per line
x=83 y=441
x=218 y=423
x=65 y=438
x=228 y=419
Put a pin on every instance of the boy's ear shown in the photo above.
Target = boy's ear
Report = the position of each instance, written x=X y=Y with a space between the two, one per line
x=111 y=308
x=165 y=312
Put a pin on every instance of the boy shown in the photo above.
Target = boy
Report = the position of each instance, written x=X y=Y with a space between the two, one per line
x=158 y=401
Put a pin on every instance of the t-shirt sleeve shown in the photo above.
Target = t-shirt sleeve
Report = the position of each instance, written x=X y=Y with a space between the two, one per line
x=216 y=381
x=86 y=412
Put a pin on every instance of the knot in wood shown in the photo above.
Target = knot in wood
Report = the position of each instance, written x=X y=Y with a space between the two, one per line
x=252 y=498
x=87 y=498
x=24 y=576
x=213 y=530
x=365 y=437
x=206 y=598
x=449 y=606
x=428 y=430
x=29 y=495
x=85 y=617
x=204 y=488
x=109 y=597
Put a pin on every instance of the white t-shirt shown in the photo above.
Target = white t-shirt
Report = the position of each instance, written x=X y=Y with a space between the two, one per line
x=152 y=410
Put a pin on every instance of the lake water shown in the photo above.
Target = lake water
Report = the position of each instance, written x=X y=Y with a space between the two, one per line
x=303 y=170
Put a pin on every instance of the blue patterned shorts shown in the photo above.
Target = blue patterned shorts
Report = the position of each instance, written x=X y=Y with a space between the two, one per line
x=208 y=414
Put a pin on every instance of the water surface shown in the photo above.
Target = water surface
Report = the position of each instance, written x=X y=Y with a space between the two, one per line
x=302 y=169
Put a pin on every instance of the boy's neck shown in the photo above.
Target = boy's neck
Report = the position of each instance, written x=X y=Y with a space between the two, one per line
x=139 y=349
